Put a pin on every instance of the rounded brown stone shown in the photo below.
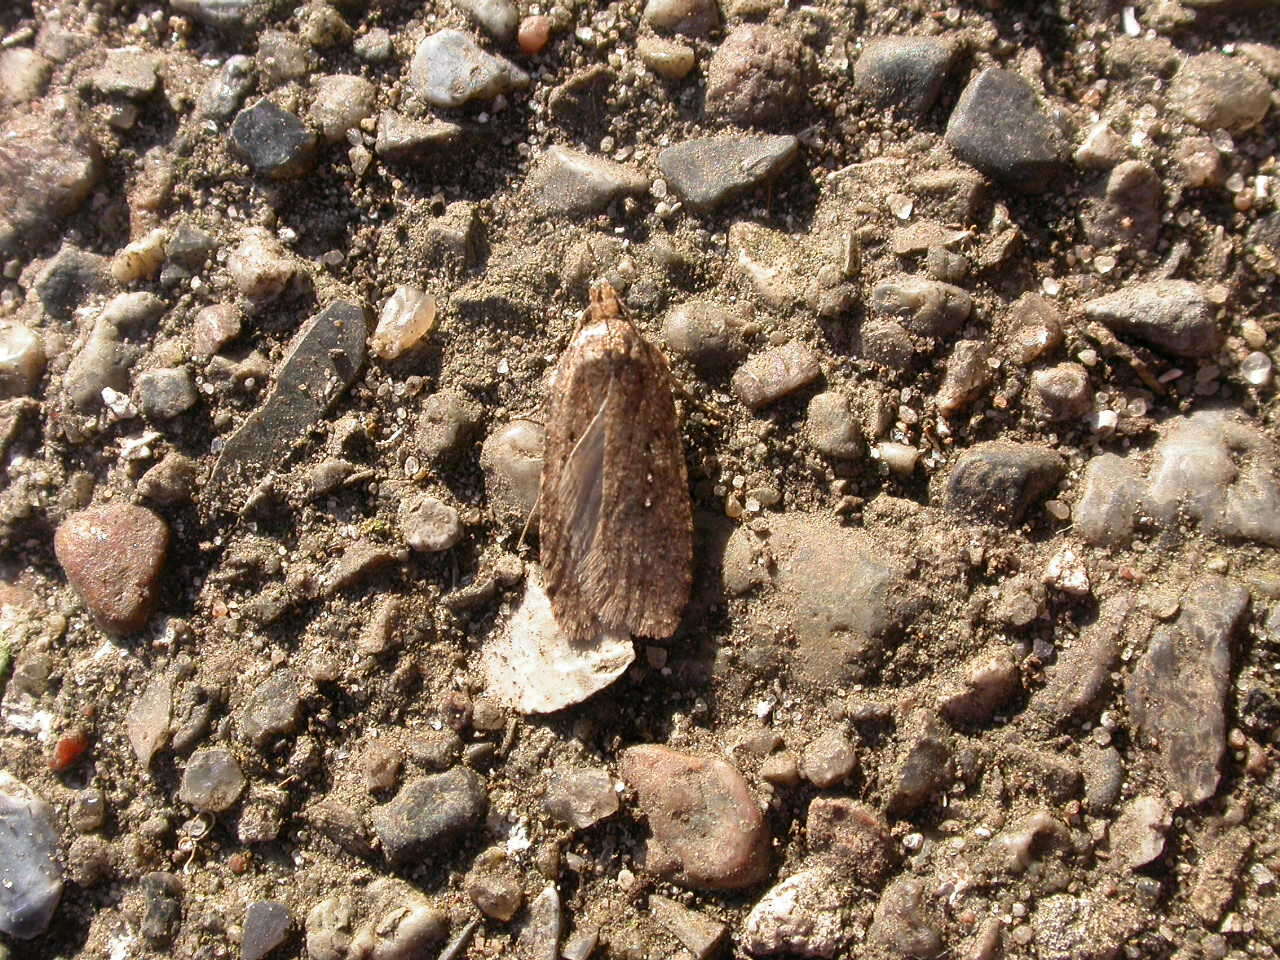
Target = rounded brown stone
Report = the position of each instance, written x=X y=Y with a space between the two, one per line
x=708 y=832
x=112 y=556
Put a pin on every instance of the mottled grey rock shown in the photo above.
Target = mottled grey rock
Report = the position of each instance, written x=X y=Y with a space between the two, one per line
x=403 y=138
x=572 y=183
x=429 y=525
x=23 y=75
x=768 y=377
x=30 y=880
x=161 y=908
x=212 y=781
x=428 y=813
x=1111 y=492
x=852 y=838
x=69 y=278
x=988 y=682
x=447 y=424
x=1128 y=212
x=708 y=171
x=833 y=427
x=695 y=18
x=798 y=917
x=341 y=101
x=903 y=72
x=1104 y=776
x=1015 y=848
x=539 y=938
x=189 y=246
x=1177 y=692
x=126 y=73
x=580 y=101
x=997 y=482
x=497 y=17
x=325 y=359
x=374 y=46
x=1137 y=835
x=922 y=768
x=1219 y=92
x=902 y=923
x=1081 y=927
x=923 y=306
x=709 y=335
x=1074 y=685
x=450 y=69
x=1000 y=127
x=281 y=57
x=224 y=14
x=581 y=798
x=698 y=933
x=829 y=760
x=147 y=723
x=266 y=925
x=273 y=141
x=273 y=709
x=170 y=481
x=967 y=376
x=1063 y=392
x=165 y=393
x=758 y=76
x=222 y=96
x=1173 y=315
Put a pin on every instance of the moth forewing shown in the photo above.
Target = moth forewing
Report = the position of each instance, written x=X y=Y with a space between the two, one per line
x=617 y=525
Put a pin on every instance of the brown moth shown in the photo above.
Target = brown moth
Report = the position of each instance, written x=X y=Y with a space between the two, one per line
x=616 y=525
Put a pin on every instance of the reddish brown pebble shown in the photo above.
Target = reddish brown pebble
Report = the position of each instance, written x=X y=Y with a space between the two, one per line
x=112 y=556
x=68 y=750
x=708 y=832
x=239 y=862
x=533 y=34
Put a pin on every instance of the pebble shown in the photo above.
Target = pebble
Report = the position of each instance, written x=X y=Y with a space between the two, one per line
x=695 y=18
x=988 y=682
x=997 y=481
x=341 y=102
x=1111 y=490
x=165 y=393
x=539 y=938
x=429 y=812
x=126 y=73
x=447 y=423
x=147 y=723
x=967 y=376
x=1137 y=835
x=1101 y=149
x=266 y=926
x=571 y=183
x=1217 y=92
x=428 y=525
x=212 y=781
x=230 y=15
x=273 y=709
x=450 y=69
x=1035 y=328
x=1080 y=927
x=273 y=141
x=281 y=57
x=51 y=165
x=402 y=139
x=408 y=317
x=326 y=358
x=1104 y=777
x=923 y=766
x=214 y=327
x=1000 y=127
x=833 y=426
x=1128 y=212
x=799 y=916
x=699 y=934
x=1178 y=690
x=580 y=798
x=223 y=95
x=906 y=73
x=170 y=481
x=375 y=46
x=30 y=879
x=852 y=838
x=260 y=266
x=498 y=18
x=1075 y=684
x=768 y=377
x=579 y=101
x=708 y=171
x=21 y=359
x=1172 y=315
x=1218 y=874
x=70 y=277
x=512 y=461
x=405 y=926
x=535 y=668
x=533 y=34
x=493 y=885
x=758 y=76
x=1062 y=392
x=23 y=75
x=707 y=830
x=902 y=924
x=161 y=909
x=709 y=335
x=926 y=307
x=1027 y=840
x=669 y=59
x=103 y=363
x=112 y=556
x=829 y=759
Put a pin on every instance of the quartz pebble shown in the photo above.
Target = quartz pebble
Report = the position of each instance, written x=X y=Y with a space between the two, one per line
x=429 y=525
x=447 y=423
x=498 y=18
x=696 y=18
x=799 y=916
x=832 y=426
x=534 y=34
x=212 y=781
x=669 y=59
x=341 y=102
x=112 y=556
x=140 y=259
x=407 y=318
x=30 y=879
x=1137 y=836
x=539 y=938
x=828 y=760
x=709 y=335
x=21 y=359
x=165 y=393
x=450 y=69
x=902 y=922
x=772 y=375
x=926 y=307
x=259 y=266
x=581 y=798
x=23 y=75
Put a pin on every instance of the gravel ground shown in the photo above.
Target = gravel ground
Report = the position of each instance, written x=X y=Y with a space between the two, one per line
x=969 y=314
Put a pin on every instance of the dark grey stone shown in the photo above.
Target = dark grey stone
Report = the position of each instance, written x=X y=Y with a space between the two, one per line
x=166 y=393
x=925 y=307
x=1128 y=212
x=571 y=183
x=404 y=138
x=429 y=812
x=1111 y=492
x=1172 y=315
x=903 y=72
x=189 y=246
x=708 y=171
x=1177 y=693
x=325 y=360
x=161 y=908
x=69 y=278
x=212 y=781
x=273 y=709
x=923 y=768
x=266 y=925
x=273 y=141
x=30 y=880
x=997 y=482
x=448 y=422
x=1000 y=127
x=224 y=14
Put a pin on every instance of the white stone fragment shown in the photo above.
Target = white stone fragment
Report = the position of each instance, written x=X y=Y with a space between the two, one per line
x=800 y=916
x=140 y=259
x=1065 y=571
x=408 y=316
x=21 y=359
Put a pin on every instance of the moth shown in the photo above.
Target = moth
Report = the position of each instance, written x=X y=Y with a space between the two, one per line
x=617 y=525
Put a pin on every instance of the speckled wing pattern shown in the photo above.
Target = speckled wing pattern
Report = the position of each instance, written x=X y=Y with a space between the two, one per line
x=617 y=524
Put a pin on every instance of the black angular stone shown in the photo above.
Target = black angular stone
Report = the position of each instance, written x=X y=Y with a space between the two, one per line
x=273 y=141
x=903 y=72
x=997 y=482
x=429 y=812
